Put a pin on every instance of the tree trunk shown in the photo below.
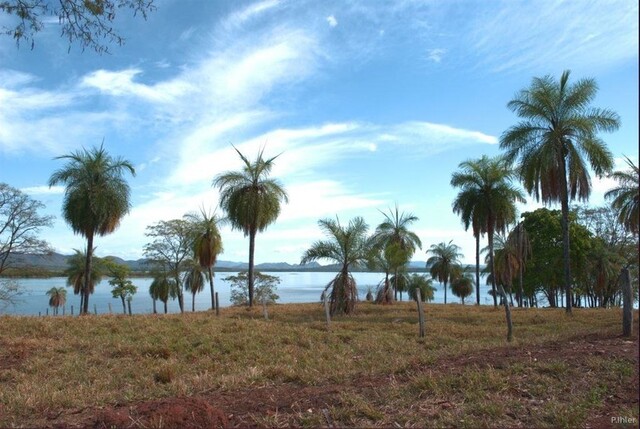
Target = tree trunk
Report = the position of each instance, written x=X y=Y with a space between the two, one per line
x=124 y=305
x=213 y=295
x=445 y=291
x=395 y=285
x=87 y=273
x=252 y=248
x=129 y=305
x=478 y=269
x=165 y=307
x=507 y=311
x=492 y=264
x=420 y=312
x=520 y=264
x=154 y=307
x=565 y=235
x=179 y=291
x=193 y=302
x=627 y=302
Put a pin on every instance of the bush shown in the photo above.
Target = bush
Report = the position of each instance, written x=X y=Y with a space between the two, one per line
x=264 y=288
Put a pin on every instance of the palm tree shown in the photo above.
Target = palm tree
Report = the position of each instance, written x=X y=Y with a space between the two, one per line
x=57 y=298
x=486 y=185
x=194 y=280
x=160 y=289
x=398 y=243
x=442 y=265
x=96 y=198
x=422 y=283
x=518 y=238
x=462 y=287
x=626 y=197
x=207 y=244
x=558 y=131
x=76 y=274
x=347 y=247
x=251 y=201
x=469 y=205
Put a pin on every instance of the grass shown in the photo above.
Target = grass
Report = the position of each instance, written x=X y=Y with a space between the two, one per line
x=385 y=374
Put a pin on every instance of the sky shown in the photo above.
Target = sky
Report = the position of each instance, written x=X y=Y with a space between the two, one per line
x=368 y=104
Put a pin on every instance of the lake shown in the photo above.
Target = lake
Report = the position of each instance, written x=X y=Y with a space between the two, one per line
x=295 y=287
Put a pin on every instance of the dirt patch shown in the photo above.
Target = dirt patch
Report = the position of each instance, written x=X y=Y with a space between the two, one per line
x=13 y=354
x=167 y=413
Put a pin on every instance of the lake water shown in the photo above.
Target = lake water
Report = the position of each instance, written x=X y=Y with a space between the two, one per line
x=295 y=287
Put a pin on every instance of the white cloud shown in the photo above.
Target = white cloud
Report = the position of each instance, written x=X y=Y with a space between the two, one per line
x=436 y=55
x=332 y=21
x=43 y=190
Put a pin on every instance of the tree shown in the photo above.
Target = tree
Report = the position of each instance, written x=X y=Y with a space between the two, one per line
x=251 y=201
x=194 y=282
x=488 y=192
x=558 y=132
x=9 y=293
x=518 y=239
x=207 y=244
x=87 y=22
x=424 y=284
x=121 y=286
x=626 y=197
x=462 y=287
x=443 y=263
x=96 y=197
x=57 y=298
x=76 y=275
x=398 y=243
x=348 y=247
x=170 y=250
x=161 y=289
x=20 y=224
x=266 y=288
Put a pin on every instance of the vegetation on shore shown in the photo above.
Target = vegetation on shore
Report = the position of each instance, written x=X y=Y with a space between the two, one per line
x=370 y=369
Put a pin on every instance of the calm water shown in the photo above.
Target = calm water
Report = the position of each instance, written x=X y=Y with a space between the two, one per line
x=295 y=287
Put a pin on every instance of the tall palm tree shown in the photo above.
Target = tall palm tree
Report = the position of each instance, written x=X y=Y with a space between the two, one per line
x=469 y=205
x=76 y=274
x=422 y=283
x=207 y=244
x=462 y=287
x=556 y=142
x=486 y=184
x=194 y=280
x=444 y=262
x=518 y=239
x=160 y=289
x=251 y=200
x=348 y=247
x=57 y=298
x=394 y=236
x=626 y=197
x=96 y=197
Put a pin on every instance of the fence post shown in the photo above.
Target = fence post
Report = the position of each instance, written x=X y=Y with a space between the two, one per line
x=95 y=309
x=47 y=312
x=129 y=305
x=217 y=305
x=420 y=312
x=110 y=308
x=326 y=310
x=627 y=303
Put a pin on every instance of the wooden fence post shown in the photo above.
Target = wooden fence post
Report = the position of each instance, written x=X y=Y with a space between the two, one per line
x=72 y=310
x=110 y=308
x=217 y=305
x=420 y=312
x=627 y=303
x=95 y=309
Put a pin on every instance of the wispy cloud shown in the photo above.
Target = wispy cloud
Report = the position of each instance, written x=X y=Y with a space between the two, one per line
x=43 y=190
x=436 y=55
x=332 y=21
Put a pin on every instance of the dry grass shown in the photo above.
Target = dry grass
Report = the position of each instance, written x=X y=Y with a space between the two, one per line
x=386 y=375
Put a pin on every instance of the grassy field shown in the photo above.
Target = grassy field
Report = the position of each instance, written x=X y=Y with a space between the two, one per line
x=368 y=370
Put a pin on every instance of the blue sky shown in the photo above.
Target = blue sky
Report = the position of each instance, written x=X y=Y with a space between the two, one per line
x=371 y=103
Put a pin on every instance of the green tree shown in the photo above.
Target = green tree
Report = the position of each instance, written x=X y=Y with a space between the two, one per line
x=121 y=286
x=518 y=239
x=161 y=289
x=170 y=250
x=442 y=265
x=424 y=284
x=207 y=244
x=57 y=298
x=251 y=201
x=348 y=247
x=555 y=144
x=87 y=22
x=266 y=288
x=462 y=287
x=96 y=197
x=194 y=280
x=486 y=189
x=76 y=274
x=20 y=224
x=397 y=241
x=626 y=196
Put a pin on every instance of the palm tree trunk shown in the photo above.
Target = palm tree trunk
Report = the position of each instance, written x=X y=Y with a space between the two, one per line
x=87 y=274
x=493 y=266
x=193 y=302
x=154 y=307
x=395 y=285
x=445 y=291
x=520 y=264
x=165 y=307
x=213 y=295
x=478 y=269
x=252 y=248
x=565 y=236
